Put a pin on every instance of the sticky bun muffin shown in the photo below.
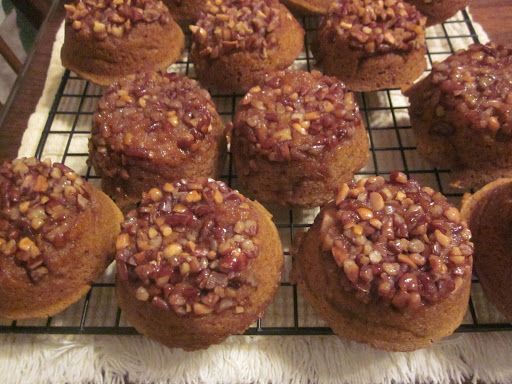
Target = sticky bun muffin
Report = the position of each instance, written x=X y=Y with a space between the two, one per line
x=462 y=114
x=236 y=42
x=106 y=40
x=489 y=216
x=388 y=263
x=57 y=236
x=153 y=128
x=301 y=129
x=186 y=11
x=305 y=7
x=196 y=262
x=372 y=44
x=438 y=11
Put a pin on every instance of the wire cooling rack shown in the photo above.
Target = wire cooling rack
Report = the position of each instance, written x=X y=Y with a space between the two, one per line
x=65 y=137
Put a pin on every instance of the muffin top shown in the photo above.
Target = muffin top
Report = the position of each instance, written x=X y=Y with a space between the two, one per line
x=396 y=242
x=101 y=18
x=476 y=83
x=39 y=205
x=231 y=26
x=296 y=114
x=189 y=247
x=155 y=116
x=376 y=26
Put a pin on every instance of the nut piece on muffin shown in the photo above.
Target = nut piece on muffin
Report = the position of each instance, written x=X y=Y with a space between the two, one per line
x=308 y=7
x=438 y=11
x=106 y=40
x=153 y=128
x=462 y=114
x=196 y=262
x=489 y=216
x=388 y=263
x=301 y=129
x=57 y=236
x=237 y=42
x=372 y=44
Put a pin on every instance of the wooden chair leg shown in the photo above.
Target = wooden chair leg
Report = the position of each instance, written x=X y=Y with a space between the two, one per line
x=10 y=57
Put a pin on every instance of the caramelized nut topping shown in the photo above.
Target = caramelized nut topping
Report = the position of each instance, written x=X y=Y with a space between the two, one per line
x=39 y=203
x=412 y=258
x=101 y=18
x=476 y=83
x=198 y=260
x=377 y=26
x=294 y=114
x=237 y=25
x=151 y=116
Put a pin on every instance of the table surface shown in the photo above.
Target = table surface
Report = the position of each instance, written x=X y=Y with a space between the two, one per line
x=494 y=15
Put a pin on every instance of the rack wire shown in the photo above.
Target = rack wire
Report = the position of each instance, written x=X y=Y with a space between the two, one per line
x=392 y=144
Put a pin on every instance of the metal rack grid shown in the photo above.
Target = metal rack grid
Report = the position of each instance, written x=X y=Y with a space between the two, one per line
x=392 y=145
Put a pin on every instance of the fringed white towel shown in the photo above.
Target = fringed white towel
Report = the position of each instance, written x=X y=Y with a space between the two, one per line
x=245 y=359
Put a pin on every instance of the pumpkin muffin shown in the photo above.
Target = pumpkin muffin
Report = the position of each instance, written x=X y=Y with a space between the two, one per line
x=462 y=114
x=301 y=129
x=372 y=44
x=237 y=42
x=388 y=263
x=196 y=262
x=305 y=7
x=57 y=236
x=438 y=11
x=186 y=11
x=489 y=216
x=152 y=128
x=106 y=40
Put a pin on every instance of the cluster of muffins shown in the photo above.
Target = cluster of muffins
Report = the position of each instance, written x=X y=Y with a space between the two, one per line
x=387 y=263
x=368 y=44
